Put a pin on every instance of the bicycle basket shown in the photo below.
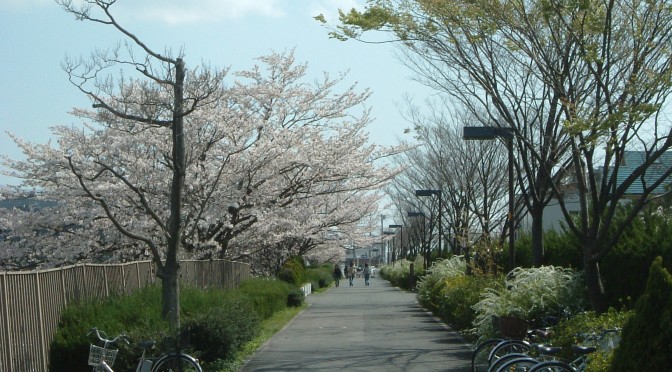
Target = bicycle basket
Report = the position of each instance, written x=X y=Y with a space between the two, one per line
x=99 y=354
x=511 y=327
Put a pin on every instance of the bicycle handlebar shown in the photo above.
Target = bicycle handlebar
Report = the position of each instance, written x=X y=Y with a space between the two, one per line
x=102 y=336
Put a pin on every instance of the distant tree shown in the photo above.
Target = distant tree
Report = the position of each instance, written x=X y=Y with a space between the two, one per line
x=581 y=84
x=471 y=175
x=472 y=53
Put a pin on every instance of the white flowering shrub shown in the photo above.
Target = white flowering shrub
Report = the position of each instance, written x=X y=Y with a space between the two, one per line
x=530 y=294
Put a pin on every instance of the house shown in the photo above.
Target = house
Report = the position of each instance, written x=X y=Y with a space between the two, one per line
x=553 y=216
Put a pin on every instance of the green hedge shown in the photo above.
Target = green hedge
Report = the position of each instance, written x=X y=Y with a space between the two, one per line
x=646 y=342
x=576 y=329
x=219 y=322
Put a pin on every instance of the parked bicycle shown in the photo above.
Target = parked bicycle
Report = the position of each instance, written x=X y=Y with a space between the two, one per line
x=605 y=340
x=517 y=339
x=102 y=356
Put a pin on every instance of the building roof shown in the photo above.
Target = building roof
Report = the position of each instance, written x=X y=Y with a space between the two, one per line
x=632 y=160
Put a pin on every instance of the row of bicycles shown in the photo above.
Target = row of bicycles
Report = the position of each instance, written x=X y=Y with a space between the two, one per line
x=529 y=352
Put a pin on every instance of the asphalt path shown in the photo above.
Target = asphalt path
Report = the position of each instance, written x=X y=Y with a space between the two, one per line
x=363 y=328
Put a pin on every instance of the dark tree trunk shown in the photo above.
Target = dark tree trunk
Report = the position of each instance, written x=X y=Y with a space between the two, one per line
x=537 y=213
x=596 y=294
x=171 y=290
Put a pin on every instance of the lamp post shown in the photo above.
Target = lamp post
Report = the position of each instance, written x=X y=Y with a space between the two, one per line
x=382 y=236
x=438 y=194
x=425 y=251
x=387 y=251
x=489 y=133
x=401 y=236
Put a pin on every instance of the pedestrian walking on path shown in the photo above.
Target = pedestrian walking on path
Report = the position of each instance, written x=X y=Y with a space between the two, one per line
x=387 y=331
x=350 y=273
x=367 y=274
x=337 y=274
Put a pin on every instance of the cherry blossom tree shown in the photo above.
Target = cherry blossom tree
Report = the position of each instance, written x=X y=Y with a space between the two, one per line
x=172 y=163
x=269 y=159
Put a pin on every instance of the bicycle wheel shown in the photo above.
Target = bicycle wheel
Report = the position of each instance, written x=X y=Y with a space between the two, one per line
x=176 y=363
x=522 y=364
x=506 y=358
x=553 y=366
x=479 y=358
x=508 y=347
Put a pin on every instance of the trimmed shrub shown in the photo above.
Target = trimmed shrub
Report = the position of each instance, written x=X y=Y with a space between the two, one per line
x=295 y=298
x=219 y=320
x=267 y=296
x=220 y=332
x=320 y=276
x=646 y=342
x=293 y=271
x=114 y=315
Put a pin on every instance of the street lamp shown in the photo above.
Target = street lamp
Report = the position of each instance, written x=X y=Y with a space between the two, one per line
x=382 y=236
x=490 y=133
x=387 y=251
x=438 y=194
x=401 y=236
x=425 y=251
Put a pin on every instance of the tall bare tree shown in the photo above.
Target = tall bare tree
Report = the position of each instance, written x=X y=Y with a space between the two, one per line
x=471 y=176
x=166 y=95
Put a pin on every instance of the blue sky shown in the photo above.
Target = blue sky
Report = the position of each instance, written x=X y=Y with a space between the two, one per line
x=37 y=35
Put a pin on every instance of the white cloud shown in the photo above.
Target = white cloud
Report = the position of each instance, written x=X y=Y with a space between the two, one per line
x=181 y=12
x=20 y=4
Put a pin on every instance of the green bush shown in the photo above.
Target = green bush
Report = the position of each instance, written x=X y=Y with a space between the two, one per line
x=221 y=331
x=431 y=285
x=293 y=271
x=625 y=269
x=574 y=330
x=458 y=297
x=560 y=249
x=219 y=320
x=295 y=298
x=113 y=315
x=288 y=275
x=320 y=276
x=646 y=342
x=267 y=296
x=399 y=273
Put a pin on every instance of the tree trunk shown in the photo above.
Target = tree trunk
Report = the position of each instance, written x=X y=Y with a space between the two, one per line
x=596 y=294
x=537 y=213
x=171 y=291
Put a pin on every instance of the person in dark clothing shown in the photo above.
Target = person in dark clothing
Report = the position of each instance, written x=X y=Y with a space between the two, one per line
x=337 y=274
x=367 y=274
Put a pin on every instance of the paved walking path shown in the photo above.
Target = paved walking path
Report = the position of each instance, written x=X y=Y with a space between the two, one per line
x=363 y=328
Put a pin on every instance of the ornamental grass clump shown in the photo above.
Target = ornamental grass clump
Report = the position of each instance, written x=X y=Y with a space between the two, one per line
x=530 y=294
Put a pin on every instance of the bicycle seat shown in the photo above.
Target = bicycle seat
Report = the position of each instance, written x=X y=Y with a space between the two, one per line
x=582 y=350
x=146 y=345
x=548 y=350
x=543 y=333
